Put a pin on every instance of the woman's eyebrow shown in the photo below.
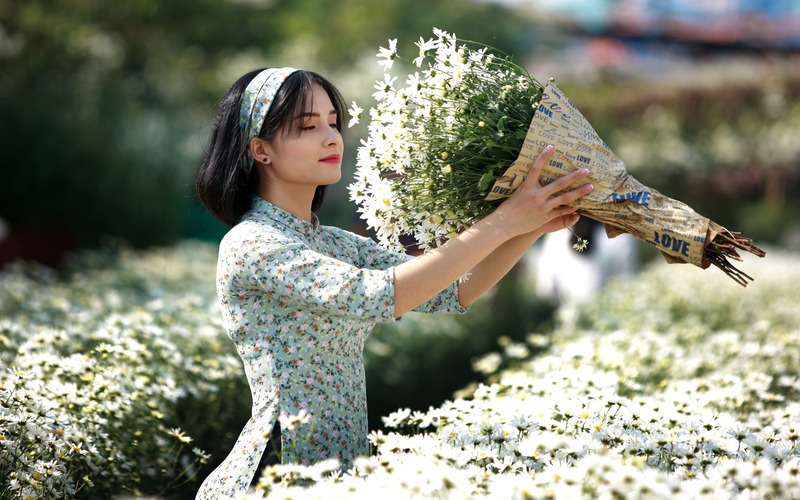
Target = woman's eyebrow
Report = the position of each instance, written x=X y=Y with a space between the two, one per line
x=315 y=115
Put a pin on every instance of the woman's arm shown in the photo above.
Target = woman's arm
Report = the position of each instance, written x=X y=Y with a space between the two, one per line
x=492 y=245
x=494 y=267
x=491 y=269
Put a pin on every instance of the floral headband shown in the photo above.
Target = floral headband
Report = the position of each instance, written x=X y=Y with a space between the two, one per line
x=256 y=101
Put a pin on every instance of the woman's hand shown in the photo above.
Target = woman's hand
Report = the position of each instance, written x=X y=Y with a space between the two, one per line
x=493 y=244
x=533 y=207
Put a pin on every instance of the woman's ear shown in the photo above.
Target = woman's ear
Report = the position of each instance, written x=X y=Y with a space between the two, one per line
x=260 y=150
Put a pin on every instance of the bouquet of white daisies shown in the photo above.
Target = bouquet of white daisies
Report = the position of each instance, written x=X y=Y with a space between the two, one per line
x=435 y=145
x=445 y=148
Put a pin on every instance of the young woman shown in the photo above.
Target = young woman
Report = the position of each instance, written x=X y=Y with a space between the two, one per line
x=298 y=298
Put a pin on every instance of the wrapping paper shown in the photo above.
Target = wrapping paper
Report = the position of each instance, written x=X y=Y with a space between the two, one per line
x=619 y=201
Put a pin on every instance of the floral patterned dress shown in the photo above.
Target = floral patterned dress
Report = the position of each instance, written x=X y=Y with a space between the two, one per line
x=299 y=299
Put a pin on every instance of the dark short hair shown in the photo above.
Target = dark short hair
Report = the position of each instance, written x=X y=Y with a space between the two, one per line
x=222 y=185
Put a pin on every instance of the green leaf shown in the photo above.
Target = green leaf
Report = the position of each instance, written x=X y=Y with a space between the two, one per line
x=486 y=178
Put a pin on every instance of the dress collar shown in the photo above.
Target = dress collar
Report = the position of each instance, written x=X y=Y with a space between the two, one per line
x=263 y=210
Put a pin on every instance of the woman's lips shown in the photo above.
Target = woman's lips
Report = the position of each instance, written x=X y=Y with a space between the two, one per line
x=331 y=159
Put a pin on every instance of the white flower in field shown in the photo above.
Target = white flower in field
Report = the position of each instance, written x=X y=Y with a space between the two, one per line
x=779 y=453
x=486 y=392
x=529 y=447
x=505 y=465
x=397 y=418
x=47 y=469
x=756 y=445
x=458 y=436
x=201 y=455
x=635 y=443
x=522 y=424
x=18 y=375
x=423 y=420
x=739 y=433
x=488 y=363
x=484 y=453
x=516 y=350
x=484 y=429
x=502 y=435
x=395 y=443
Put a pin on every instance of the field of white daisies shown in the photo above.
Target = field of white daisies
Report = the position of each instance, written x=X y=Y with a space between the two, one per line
x=673 y=383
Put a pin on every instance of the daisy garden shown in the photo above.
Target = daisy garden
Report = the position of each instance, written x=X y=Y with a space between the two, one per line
x=672 y=383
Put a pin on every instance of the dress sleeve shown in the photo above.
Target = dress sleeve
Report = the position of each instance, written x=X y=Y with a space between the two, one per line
x=374 y=256
x=292 y=273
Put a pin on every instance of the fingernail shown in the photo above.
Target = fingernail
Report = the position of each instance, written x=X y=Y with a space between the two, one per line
x=585 y=171
x=549 y=148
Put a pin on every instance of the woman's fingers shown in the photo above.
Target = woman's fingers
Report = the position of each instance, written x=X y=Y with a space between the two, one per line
x=567 y=180
x=557 y=185
x=559 y=223
x=538 y=165
x=533 y=205
x=570 y=196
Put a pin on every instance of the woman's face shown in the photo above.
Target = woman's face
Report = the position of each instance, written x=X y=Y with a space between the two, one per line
x=310 y=155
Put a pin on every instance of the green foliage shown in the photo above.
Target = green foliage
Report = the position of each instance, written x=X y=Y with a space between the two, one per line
x=765 y=221
x=344 y=30
x=104 y=106
x=424 y=359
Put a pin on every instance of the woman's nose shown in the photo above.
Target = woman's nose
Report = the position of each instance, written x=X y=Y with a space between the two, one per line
x=334 y=137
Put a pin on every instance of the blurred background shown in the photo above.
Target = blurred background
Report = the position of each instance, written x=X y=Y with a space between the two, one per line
x=105 y=108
